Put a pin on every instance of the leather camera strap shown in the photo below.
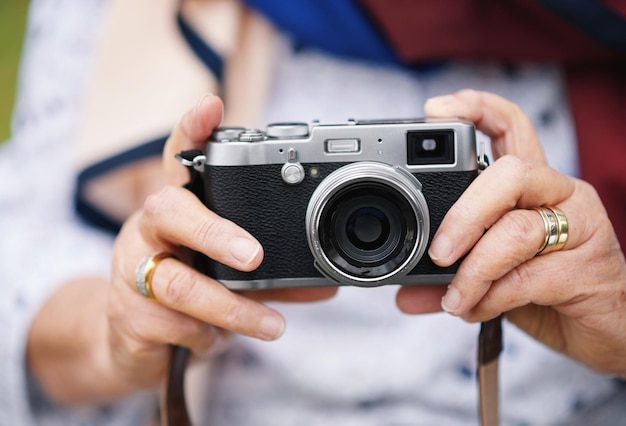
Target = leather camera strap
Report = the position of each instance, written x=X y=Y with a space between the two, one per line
x=173 y=405
x=489 y=348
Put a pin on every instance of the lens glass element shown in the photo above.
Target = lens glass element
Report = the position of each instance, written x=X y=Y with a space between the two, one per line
x=367 y=229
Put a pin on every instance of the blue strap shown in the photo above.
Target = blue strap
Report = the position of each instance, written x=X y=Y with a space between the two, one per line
x=338 y=26
x=203 y=51
x=91 y=213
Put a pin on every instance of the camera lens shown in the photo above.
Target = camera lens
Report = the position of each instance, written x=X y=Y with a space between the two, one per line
x=367 y=224
x=367 y=229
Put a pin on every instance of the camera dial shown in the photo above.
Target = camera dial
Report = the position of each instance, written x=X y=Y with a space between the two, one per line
x=227 y=134
x=251 y=135
x=287 y=130
x=367 y=224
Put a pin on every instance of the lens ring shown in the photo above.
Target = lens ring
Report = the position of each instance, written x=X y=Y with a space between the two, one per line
x=393 y=182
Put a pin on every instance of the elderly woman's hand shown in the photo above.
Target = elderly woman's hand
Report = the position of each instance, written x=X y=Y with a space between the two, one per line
x=574 y=299
x=189 y=308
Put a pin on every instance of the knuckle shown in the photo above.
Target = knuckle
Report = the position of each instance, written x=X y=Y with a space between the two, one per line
x=588 y=193
x=460 y=211
x=466 y=215
x=232 y=314
x=155 y=203
x=151 y=205
x=193 y=330
x=475 y=270
x=129 y=338
x=209 y=231
x=587 y=187
x=519 y=278
x=178 y=288
x=519 y=227
x=134 y=347
x=513 y=164
x=515 y=170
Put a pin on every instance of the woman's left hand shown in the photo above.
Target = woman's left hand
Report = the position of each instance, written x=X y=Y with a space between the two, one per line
x=574 y=299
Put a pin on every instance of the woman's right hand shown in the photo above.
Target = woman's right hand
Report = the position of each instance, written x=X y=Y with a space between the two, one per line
x=190 y=309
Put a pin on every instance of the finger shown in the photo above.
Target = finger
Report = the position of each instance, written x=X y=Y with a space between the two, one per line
x=191 y=132
x=175 y=217
x=510 y=130
x=509 y=183
x=420 y=299
x=511 y=241
x=153 y=322
x=183 y=289
x=502 y=271
x=544 y=281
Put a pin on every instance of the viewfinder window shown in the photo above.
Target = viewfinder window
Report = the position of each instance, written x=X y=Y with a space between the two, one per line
x=430 y=147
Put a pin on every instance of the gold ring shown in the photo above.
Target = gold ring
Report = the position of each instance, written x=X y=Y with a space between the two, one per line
x=144 y=272
x=556 y=229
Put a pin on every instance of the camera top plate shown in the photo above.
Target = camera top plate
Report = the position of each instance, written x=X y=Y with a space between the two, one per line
x=383 y=141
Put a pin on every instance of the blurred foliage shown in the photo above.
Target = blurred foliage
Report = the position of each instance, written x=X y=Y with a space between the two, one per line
x=12 y=26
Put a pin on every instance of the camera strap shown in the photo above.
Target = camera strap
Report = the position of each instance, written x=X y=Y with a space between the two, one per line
x=174 y=409
x=489 y=348
x=173 y=406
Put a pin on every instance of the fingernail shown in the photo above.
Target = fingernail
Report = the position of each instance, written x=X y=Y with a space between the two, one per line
x=244 y=249
x=203 y=100
x=438 y=102
x=451 y=301
x=440 y=248
x=271 y=327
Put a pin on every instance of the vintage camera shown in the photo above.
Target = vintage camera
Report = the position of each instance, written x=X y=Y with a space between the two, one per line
x=355 y=203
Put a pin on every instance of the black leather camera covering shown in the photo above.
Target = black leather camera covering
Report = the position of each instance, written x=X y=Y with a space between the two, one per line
x=257 y=199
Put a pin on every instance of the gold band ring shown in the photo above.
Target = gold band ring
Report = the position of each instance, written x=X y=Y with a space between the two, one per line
x=144 y=272
x=556 y=229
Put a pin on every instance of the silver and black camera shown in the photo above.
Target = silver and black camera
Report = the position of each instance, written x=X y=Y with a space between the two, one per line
x=344 y=204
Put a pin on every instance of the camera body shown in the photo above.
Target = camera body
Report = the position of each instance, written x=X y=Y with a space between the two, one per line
x=355 y=203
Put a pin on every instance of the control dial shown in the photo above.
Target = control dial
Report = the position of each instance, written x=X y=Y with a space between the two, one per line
x=287 y=130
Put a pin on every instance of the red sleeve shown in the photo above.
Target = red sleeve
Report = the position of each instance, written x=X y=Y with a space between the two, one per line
x=597 y=98
x=483 y=29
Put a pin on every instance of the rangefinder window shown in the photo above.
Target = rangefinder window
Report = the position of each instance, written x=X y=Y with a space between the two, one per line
x=430 y=147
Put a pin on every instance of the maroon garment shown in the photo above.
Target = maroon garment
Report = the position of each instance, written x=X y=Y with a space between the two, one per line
x=523 y=31
x=598 y=101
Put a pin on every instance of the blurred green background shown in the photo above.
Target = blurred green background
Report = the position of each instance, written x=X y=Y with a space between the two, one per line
x=12 y=25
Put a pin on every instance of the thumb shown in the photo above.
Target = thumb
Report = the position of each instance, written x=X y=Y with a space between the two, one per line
x=510 y=130
x=191 y=132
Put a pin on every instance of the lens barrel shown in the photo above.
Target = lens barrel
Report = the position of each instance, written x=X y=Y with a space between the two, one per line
x=367 y=224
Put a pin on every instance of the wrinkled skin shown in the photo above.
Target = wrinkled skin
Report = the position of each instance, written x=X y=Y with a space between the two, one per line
x=573 y=300
x=193 y=310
